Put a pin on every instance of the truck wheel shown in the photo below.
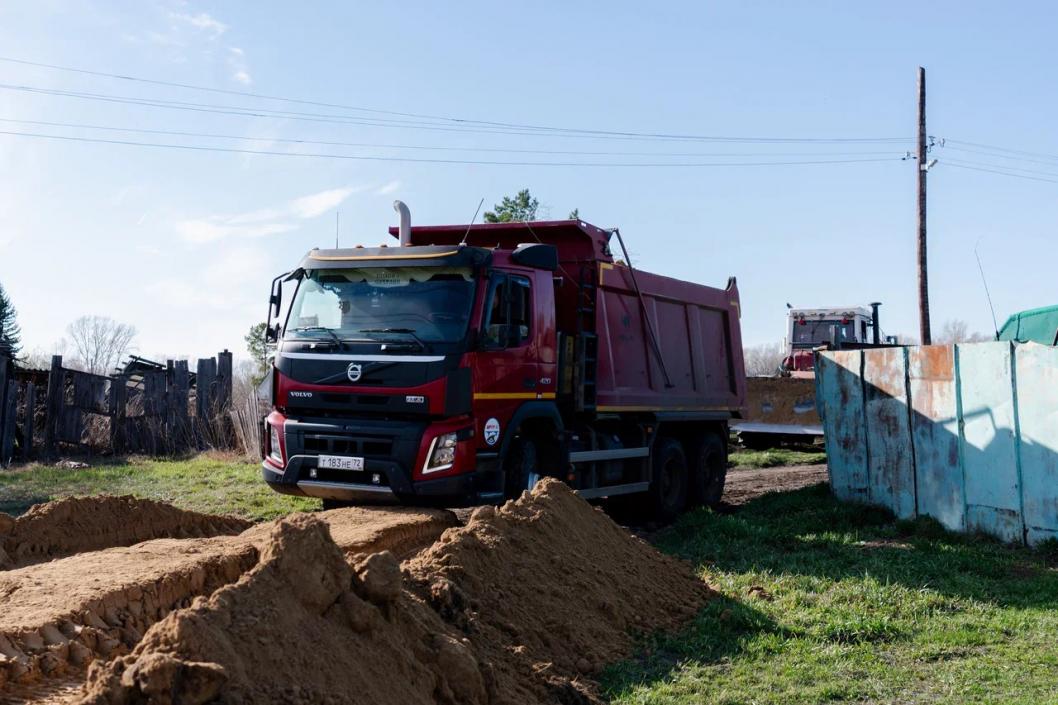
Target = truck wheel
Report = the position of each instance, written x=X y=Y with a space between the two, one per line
x=668 y=485
x=522 y=467
x=710 y=471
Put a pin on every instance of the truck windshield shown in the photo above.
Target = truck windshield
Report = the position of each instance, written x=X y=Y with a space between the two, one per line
x=419 y=304
x=810 y=333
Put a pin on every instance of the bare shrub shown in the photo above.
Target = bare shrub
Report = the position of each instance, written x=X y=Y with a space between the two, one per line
x=764 y=360
x=99 y=342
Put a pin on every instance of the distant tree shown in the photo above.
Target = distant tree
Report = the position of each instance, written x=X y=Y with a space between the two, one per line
x=958 y=331
x=514 y=210
x=10 y=333
x=99 y=343
x=763 y=360
x=255 y=345
x=574 y=214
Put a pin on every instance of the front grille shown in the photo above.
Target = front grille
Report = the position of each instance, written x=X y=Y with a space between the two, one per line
x=346 y=445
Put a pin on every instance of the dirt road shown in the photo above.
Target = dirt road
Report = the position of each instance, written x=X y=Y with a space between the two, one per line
x=746 y=484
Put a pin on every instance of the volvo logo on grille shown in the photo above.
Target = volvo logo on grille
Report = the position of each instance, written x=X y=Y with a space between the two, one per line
x=354 y=371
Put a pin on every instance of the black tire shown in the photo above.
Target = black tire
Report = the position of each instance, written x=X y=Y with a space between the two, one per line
x=668 y=483
x=710 y=471
x=522 y=468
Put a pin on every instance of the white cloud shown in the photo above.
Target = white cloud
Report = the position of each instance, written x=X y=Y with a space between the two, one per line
x=264 y=221
x=203 y=21
x=319 y=203
x=237 y=63
x=387 y=189
x=200 y=231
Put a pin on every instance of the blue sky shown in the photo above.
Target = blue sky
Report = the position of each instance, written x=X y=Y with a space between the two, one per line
x=183 y=244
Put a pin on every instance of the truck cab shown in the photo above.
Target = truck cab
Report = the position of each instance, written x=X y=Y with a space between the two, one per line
x=460 y=366
x=811 y=328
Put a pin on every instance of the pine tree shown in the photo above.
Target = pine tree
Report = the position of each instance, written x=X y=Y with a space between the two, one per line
x=10 y=333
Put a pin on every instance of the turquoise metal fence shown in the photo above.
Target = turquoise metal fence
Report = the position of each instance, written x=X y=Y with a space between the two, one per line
x=967 y=434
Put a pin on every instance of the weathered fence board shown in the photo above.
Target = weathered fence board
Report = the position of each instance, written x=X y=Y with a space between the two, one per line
x=7 y=431
x=145 y=411
x=935 y=433
x=1036 y=371
x=989 y=443
x=890 y=468
x=846 y=440
x=981 y=435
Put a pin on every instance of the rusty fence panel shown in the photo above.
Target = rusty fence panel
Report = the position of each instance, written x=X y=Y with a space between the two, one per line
x=966 y=434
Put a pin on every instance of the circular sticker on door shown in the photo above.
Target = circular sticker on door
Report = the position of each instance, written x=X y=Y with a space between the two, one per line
x=492 y=431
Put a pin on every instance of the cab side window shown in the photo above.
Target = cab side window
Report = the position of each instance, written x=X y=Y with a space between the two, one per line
x=509 y=316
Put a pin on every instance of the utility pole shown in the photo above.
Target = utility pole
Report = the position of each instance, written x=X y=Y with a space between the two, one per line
x=923 y=167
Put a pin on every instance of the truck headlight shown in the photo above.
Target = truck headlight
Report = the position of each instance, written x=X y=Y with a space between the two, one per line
x=275 y=450
x=442 y=453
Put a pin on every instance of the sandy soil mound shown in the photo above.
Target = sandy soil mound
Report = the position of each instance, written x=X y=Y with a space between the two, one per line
x=556 y=582
x=79 y=524
x=518 y=607
x=403 y=531
x=301 y=627
x=55 y=617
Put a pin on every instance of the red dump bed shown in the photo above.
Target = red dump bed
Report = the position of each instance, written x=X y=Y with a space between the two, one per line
x=697 y=327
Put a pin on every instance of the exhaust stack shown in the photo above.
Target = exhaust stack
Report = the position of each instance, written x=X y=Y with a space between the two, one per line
x=405 y=223
x=876 y=334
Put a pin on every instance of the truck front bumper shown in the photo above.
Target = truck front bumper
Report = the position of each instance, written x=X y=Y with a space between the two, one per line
x=387 y=477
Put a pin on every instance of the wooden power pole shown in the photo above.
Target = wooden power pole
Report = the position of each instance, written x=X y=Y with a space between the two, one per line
x=923 y=167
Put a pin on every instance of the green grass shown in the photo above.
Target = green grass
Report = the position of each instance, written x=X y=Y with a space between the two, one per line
x=856 y=607
x=774 y=457
x=205 y=483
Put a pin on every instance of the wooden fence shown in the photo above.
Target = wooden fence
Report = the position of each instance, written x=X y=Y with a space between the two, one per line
x=44 y=414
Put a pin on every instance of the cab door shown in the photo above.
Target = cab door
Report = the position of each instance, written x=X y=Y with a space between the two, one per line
x=508 y=370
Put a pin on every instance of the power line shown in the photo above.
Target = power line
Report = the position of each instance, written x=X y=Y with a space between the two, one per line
x=1000 y=149
x=371 y=145
x=1001 y=173
x=455 y=120
x=233 y=150
x=350 y=120
x=1004 y=167
x=1009 y=157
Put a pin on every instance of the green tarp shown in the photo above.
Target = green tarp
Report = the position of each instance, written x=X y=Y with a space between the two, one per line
x=1039 y=325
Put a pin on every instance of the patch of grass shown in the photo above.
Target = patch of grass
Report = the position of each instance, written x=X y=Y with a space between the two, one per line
x=855 y=607
x=775 y=457
x=206 y=483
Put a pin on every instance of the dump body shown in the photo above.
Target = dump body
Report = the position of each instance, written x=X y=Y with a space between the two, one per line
x=465 y=364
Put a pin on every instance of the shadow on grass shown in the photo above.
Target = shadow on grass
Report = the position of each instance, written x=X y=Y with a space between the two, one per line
x=719 y=631
x=806 y=536
x=808 y=532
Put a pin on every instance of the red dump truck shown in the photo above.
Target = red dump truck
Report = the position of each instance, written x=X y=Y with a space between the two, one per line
x=468 y=362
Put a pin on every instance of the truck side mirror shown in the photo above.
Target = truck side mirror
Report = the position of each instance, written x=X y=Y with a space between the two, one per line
x=276 y=299
x=272 y=333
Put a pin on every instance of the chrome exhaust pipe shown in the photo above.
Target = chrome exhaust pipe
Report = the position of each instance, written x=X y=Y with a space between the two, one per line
x=405 y=223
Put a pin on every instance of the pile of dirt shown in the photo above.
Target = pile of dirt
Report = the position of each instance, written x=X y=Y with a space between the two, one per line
x=556 y=582
x=522 y=605
x=303 y=626
x=78 y=524
x=56 y=617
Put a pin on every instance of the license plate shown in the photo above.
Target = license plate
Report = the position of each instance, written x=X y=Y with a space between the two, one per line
x=340 y=462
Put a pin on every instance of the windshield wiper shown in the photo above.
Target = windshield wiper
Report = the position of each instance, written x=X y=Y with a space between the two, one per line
x=320 y=329
x=405 y=331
